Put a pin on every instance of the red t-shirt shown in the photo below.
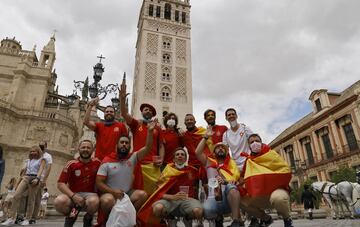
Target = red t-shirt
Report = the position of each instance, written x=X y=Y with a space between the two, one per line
x=107 y=138
x=171 y=141
x=190 y=179
x=80 y=176
x=218 y=130
x=139 y=131
x=191 y=140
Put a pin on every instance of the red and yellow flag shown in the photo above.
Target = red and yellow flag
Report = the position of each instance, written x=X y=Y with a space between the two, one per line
x=228 y=169
x=265 y=173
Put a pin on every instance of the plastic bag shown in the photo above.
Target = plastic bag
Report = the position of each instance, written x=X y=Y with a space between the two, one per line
x=123 y=214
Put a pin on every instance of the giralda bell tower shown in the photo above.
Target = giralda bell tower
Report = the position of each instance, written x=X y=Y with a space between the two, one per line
x=162 y=75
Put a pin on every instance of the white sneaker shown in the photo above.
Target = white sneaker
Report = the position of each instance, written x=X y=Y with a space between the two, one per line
x=9 y=221
x=25 y=222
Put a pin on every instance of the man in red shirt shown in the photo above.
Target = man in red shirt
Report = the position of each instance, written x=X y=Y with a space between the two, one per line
x=107 y=132
x=77 y=183
x=219 y=130
x=150 y=165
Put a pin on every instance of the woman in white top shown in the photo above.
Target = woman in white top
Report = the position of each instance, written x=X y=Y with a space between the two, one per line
x=33 y=169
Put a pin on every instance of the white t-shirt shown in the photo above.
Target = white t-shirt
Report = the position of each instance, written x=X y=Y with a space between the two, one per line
x=48 y=160
x=237 y=142
x=44 y=198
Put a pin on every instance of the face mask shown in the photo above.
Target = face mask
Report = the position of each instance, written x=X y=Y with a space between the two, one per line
x=255 y=147
x=171 y=123
x=179 y=166
x=233 y=123
x=122 y=152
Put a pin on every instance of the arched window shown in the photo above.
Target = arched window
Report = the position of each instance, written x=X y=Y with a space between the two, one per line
x=151 y=10
x=166 y=76
x=167 y=12
x=166 y=94
x=166 y=58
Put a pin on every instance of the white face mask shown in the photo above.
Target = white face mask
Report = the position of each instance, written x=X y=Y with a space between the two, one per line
x=171 y=123
x=255 y=147
x=179 y=166
x=233 y=123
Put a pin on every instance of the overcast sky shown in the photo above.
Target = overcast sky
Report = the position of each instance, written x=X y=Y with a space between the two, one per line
x=262 y=57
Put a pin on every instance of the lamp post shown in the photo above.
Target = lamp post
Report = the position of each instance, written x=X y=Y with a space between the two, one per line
x=95 y=89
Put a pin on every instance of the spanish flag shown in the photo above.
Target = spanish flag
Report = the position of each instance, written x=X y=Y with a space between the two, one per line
x=209 y=150
x=265 y=172
x=228 y=169
x=167 y=180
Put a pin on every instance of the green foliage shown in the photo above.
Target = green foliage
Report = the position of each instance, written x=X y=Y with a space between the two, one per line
x=344 y=174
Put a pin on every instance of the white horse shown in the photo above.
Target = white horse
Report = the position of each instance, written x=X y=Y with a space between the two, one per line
x=351 y=192
x=333 y=197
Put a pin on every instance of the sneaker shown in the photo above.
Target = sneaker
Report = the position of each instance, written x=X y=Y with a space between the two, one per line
x=25 y=222
x=69 y=221
x=288 y=222
x=219 y=221
x=32 y=221
x=9 y=221
x=254 y=222
x=87 y=220
x=19 y=219
x=266 y=221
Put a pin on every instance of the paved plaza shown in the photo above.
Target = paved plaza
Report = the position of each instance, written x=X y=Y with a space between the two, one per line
x=58 y=222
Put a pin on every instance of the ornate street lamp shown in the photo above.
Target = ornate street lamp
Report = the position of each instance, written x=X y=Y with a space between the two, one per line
x=95 y=89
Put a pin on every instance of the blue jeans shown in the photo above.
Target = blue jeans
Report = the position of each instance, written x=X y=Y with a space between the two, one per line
x=212 y=207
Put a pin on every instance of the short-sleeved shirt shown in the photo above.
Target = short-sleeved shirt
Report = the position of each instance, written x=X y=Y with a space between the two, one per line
x=80 y=176
x=107 y=137
x=120 y=174
x=48 y=161
x=238 y=142
x=218 y=130
x=32 y=166
x=171 y=141
x=139 y=131
x=191 y=140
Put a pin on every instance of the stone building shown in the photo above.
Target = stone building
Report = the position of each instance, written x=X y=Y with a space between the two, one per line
x=325 y=139
x=31 y=109
x=162 y=75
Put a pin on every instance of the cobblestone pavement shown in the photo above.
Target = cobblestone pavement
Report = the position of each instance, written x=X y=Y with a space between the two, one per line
x=58 y=222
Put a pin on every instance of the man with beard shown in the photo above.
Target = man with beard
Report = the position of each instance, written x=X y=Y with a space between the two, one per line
x=150 y=165
x=107 y=133
x=115 y=175
x=223 y=175
x=236 y=137
x=218 y=130
x=77 y=183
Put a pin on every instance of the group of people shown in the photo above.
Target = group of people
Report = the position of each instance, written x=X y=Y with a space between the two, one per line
x=168 y=173
x=27 y=198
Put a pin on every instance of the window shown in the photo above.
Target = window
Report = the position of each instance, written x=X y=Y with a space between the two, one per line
x=309 y=153
x=177 y=15
x=166 y=45
x=166 y=94
x=313 y=178
x=327 y=145
x=151 y=10
x=166 y=58
x=158 y=11
x=350 y=137
x=183 y=17
x=318 y=105
x=290 y=152
x=167 y=13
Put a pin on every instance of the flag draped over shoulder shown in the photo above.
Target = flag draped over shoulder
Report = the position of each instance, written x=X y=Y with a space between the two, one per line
x=228 y=169
x=265 y=173
x=167 y=179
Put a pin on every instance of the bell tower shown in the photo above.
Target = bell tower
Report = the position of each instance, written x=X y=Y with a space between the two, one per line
x=47 y=57
x=162 y=75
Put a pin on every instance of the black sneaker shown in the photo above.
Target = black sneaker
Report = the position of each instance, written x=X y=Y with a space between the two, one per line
x=19 y=219
x=267 y=221
x=87 y=220
x=219 y=221
x=69 y=221
x=237 y=223
x=32 y=221
x=254 y=222
x=288 y=222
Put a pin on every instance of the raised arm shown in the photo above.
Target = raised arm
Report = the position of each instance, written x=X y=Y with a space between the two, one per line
x=122 y=96
x=90 y=124
x=201 y=146
x=149 y=140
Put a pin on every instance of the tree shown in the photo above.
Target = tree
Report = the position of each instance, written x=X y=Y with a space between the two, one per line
x=344 y=174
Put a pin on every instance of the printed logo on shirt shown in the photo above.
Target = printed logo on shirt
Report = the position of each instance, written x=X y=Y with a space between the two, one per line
x=77 y=173
x=116 y=129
